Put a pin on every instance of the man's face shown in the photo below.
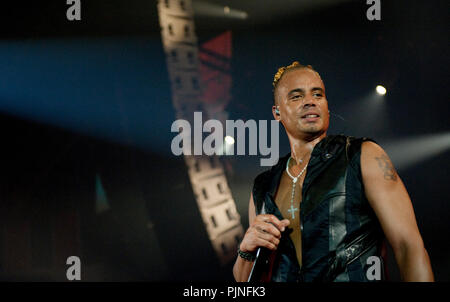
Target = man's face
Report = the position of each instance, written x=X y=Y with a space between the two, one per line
x=302 y=103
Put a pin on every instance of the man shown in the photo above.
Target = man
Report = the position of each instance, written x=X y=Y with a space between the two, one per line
x=326 y=207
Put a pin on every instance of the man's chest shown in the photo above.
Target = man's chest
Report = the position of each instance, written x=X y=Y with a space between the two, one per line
x=288 y=198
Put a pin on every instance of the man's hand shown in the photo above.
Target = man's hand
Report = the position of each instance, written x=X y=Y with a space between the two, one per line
x=264 y=231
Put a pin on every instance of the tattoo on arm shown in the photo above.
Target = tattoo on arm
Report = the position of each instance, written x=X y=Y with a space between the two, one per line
x=386 y=166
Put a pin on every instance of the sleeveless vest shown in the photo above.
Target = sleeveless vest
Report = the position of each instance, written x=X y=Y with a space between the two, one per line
x=339 y=229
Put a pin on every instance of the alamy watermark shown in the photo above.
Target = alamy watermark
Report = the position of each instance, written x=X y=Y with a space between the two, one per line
x=374 y=11
x=74 y=270
x=188 y=143
x=374 y=270
x=74 y=11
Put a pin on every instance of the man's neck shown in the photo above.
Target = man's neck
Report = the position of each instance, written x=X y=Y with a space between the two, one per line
x=302 y=147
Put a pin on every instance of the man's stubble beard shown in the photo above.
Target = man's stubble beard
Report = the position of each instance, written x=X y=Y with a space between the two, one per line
x=311 y=131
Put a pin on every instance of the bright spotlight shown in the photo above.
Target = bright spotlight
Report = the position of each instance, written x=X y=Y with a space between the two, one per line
x=204 y=8
x=381 y=90
x=409 y=151
x=229 y=140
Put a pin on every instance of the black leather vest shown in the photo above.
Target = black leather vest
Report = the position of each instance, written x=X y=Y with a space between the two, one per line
x=338 y=227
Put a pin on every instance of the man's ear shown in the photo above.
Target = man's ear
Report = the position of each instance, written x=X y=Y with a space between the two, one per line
x=276 y=112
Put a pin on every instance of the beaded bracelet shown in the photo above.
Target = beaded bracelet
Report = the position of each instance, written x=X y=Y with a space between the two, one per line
x=247 y=256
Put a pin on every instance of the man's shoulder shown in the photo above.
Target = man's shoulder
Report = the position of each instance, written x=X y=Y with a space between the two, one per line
x=267 y=173
x=264 y=178
x=354 y=144
x=337 y=143
x=342 y=138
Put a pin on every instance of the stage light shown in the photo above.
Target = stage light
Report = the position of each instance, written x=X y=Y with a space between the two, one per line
x=205 y=8
x=380 y=90
x=410 y=151
x=229 y=140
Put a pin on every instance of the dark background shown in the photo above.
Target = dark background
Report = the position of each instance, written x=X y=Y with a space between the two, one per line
x=88 y=102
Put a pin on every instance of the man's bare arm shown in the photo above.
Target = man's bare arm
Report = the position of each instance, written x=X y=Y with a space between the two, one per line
x=392 y=205
x=242 y=268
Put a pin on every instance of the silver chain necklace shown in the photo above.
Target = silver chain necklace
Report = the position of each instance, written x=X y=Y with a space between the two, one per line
x=292 y=210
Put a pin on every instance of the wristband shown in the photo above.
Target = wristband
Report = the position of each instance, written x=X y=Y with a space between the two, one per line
x=247 y=256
